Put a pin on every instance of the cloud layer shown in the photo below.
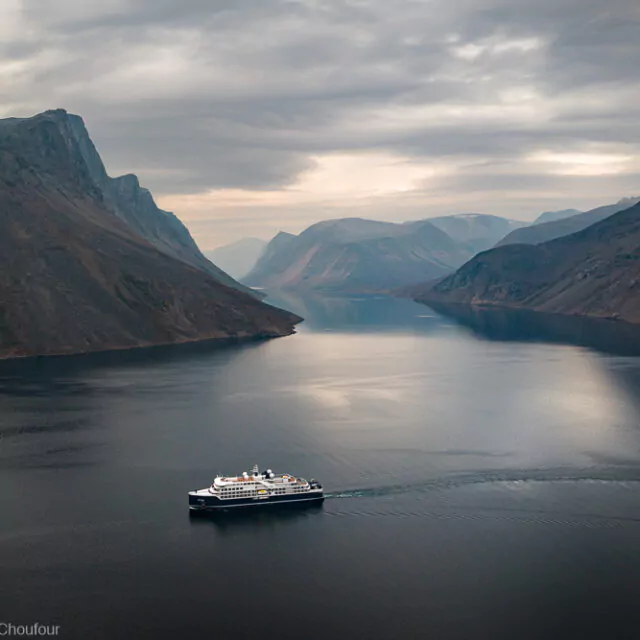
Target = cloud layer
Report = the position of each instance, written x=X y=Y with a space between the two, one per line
x=246 y=116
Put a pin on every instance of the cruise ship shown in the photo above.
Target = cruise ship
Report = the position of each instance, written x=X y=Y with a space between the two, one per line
x=255 y=489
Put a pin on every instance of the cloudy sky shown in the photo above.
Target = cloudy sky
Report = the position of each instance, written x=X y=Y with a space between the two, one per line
x=249 y=116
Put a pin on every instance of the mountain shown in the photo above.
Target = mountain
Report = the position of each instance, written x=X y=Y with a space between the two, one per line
x=357 y=255
x=238 y=258
x=90 y=264
x=594 y=272
x=553 y=216
x=477 y=231
x=538 y=233
x=276 y=250
x=274 y=259
x=135 y=205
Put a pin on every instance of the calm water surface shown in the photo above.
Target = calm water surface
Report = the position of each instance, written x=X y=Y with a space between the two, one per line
x=483 y=481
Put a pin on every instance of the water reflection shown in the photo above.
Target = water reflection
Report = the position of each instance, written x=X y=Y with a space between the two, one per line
x=374 y=314
x=515 y=325
x=362 y=314
x=230 y=522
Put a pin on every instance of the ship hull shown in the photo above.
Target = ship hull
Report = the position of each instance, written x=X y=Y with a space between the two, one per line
x=200 y=503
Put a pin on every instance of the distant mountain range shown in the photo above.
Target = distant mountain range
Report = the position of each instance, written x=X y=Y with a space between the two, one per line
x=553 y=216
x=238 y=258
x=476 y=231
x=544 y=232
x=594 y=272
x=90 y=263
x=358 y=255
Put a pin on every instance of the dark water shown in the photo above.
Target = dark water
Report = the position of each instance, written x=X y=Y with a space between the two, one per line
x=483 y=475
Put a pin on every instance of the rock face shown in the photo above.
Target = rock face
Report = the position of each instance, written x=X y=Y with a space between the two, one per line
x=357 y=255
x=135 y=205
x=238 y=258
x=544 y=232
x=594 y=272
x=89 y=263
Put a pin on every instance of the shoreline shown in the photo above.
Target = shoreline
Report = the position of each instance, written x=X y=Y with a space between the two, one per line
x=492 y=306
x=204 y=341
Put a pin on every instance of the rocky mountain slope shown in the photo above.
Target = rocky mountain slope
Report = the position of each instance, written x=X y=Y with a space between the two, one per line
x=357 y=255
x=90 y=264
x=238 y=258
x=135 y=205
x=544 y=232
x=594 y=272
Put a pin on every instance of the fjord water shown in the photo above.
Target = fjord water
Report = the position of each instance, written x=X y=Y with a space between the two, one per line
x=482 y=472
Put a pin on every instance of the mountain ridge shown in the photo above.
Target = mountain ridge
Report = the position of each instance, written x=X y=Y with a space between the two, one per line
x=594 y=272
x=553 y=216
x=131 y=202
x=545 y=231
x=359 y=255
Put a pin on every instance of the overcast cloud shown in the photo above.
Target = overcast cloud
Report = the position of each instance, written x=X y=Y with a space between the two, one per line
x=249 y=116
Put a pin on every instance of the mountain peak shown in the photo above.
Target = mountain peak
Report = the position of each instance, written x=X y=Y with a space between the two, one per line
x=56 y=113
x=543 y=231
x=56 y=146
x=554 y=216
x=283 y=234
x=629 y=201
x=65 y=121
x=128 y=183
